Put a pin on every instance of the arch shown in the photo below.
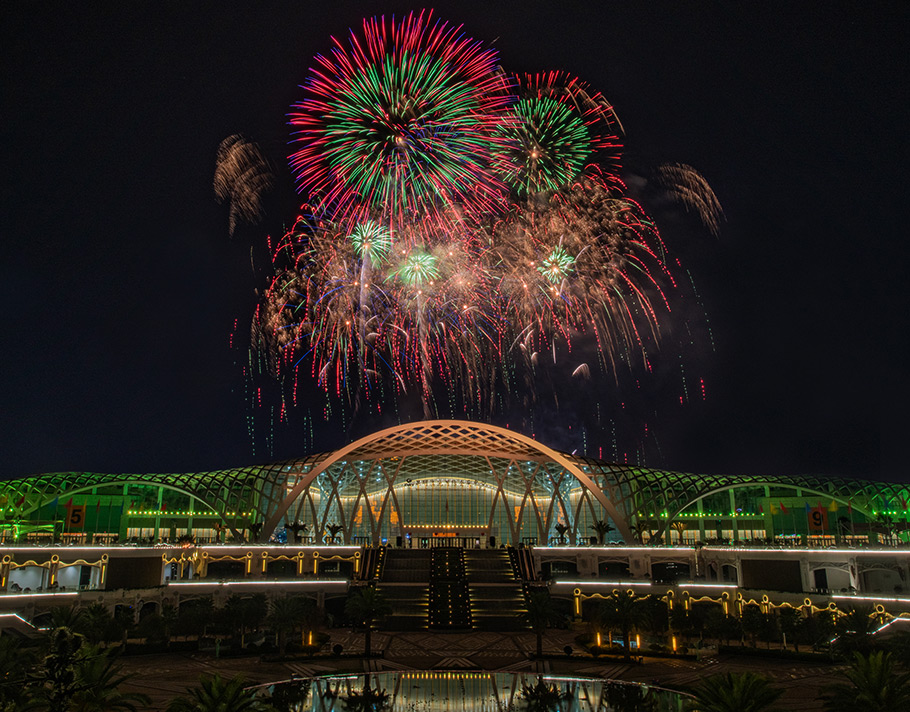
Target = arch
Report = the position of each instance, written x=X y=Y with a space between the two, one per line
x=446 y=437
x=760 y=482
x=43 y=491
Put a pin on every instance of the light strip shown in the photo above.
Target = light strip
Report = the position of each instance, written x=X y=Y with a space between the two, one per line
x=256 y=583
x=609 y=548
x=16 y=615
x=810 y=550
x=873 y=598
x=604 y=583
x=647 y=583
x=62 y=594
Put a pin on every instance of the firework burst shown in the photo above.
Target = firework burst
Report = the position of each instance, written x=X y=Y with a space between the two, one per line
x=402 y=122
x=558 y=126
x=460 y=224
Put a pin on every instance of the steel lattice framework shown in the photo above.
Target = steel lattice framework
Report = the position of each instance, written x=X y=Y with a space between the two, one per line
x=516 y=483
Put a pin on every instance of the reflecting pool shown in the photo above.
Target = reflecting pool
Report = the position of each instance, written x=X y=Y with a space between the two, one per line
x=462 y=691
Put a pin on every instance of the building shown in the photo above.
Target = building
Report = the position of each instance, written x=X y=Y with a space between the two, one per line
x=580 y=522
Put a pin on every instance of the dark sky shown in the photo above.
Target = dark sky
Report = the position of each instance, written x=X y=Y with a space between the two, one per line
x=120 y=288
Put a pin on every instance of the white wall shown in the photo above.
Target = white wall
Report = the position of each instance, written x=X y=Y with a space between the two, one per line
x=31 y=577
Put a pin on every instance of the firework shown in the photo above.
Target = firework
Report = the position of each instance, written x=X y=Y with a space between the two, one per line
x=559 y=125
x=403 y=122
x=588 y=263
x=686 y=185
x=462 y=225
x=242 y=177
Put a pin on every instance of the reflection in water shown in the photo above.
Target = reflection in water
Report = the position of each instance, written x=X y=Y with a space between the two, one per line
x=453 y=691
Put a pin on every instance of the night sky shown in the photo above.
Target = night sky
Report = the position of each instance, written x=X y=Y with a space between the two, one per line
x=121 y=289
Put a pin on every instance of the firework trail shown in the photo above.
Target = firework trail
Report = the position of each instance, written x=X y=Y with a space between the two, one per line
x=687 y=186
x=242 y=177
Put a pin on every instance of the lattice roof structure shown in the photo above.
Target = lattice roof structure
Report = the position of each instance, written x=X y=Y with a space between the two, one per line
x=523 y=477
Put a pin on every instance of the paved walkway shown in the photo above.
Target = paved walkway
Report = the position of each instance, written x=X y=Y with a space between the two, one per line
x=163 y=677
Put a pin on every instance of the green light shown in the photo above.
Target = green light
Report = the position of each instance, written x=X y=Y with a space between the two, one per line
x=556 y=266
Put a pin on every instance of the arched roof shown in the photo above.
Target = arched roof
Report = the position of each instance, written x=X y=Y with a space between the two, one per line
x=446 y=437
x=626 y=492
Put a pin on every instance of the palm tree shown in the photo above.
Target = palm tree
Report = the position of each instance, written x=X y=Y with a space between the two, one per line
x=367 y=700
x=71 y=617
x=333 y=530
x=98 y=623
x=874 y=686
x=541 y=614
x=98 y=680
x=621 y=610
x=288 y=614
x=856 y=629
x=364 y=606
x=299 y=529
x=601 y=527
x=215 y=695
x=639 y=529
x=542 y=697
x=680 y=529
x=733 y=692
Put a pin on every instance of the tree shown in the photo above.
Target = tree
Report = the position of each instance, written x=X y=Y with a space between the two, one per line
x=639 y=529
x=98 y=679
x=629 y=697
x=680 y=529
x=817 y=629
x=365 y=605
x=55 y=678
x=601 y=527
x=287 y=615
x=195 y=616
x=216 y=695
x=541 y=613
x=245 y=614
x=733 y=692
x=542 y=697
x=753 y=622
x=874 y=686
x=621 y=610
x=561 y=530
x=333 y=530
x=98 y=623
x=70 y=617
x=654 y=616
x=15 y=663
x=290 y=696
x=367 y=700
x=856 y=629
x=790 y=620
x=299 y=529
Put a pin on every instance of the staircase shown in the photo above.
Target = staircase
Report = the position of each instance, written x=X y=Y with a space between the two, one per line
x=405 y=583
x=495 y=589
x=449 y=604
x=450 y=588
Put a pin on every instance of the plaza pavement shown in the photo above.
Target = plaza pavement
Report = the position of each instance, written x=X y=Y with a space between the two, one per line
x=165 y=676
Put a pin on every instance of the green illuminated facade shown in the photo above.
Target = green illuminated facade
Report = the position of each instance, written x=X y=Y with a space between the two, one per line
x=449 y=482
